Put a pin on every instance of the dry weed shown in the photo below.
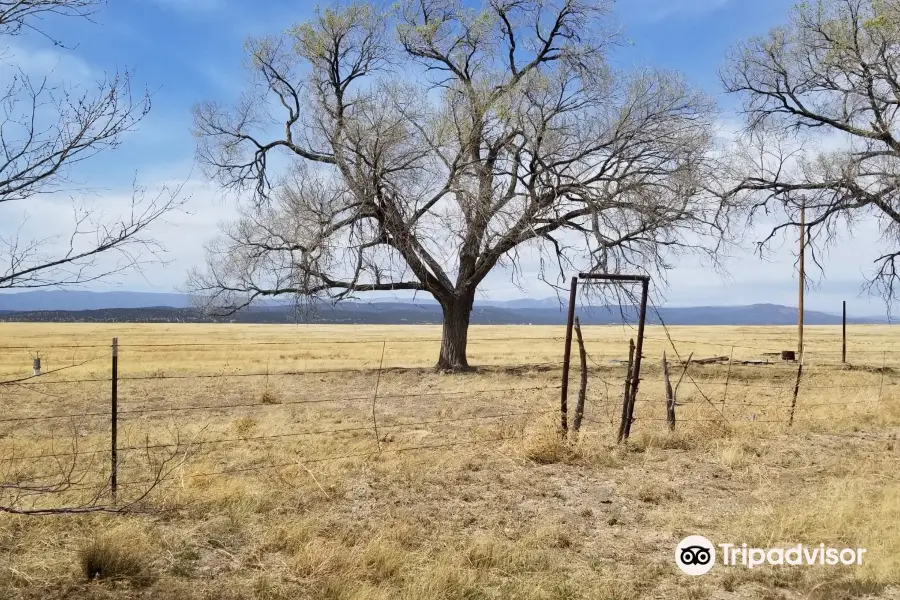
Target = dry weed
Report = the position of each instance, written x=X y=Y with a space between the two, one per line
x=121 y=553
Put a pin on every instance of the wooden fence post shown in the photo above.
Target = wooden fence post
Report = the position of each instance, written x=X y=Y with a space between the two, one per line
x=796 y=389
x=626 y=397
x=114 y=454
x=564 y=387
x=670 y=395
x=582 y=391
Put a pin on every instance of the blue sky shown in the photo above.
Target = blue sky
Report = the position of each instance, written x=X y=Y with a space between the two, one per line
x=187 y=51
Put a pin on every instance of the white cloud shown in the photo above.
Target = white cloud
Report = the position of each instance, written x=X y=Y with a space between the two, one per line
x=182 y=233
x=56 y=64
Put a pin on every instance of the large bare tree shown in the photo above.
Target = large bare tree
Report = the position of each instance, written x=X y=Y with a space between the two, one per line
x=821 y=96
x=419 y=148
x=46 y=130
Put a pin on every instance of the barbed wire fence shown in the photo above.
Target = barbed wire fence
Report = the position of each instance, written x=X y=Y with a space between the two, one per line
x=124 y=434
x=113 y=454
x=781 y=399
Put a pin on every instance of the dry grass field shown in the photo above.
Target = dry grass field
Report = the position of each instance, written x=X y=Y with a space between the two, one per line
x=251 y=466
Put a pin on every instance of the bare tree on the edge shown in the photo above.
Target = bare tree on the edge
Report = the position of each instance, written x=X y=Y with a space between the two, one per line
x=821 y=96
x=430 y=144
x=45 y=130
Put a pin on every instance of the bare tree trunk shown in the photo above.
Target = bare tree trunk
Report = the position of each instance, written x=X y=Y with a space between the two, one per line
x=455 y=336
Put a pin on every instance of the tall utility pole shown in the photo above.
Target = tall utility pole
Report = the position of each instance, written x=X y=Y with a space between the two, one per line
x=802 y=277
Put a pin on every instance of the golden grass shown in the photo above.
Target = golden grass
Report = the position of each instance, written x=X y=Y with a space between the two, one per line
x=282 y=490
x=256 y=348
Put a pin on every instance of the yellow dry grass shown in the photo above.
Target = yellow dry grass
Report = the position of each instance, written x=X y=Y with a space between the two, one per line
x=280 y=489
x=151 y=348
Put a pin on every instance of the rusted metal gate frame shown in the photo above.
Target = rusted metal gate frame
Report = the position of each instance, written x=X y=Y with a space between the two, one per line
x=628 y=413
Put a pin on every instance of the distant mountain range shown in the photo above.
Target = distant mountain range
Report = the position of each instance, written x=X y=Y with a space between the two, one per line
x=78 y=300
x=67 y=300
x=134 y=307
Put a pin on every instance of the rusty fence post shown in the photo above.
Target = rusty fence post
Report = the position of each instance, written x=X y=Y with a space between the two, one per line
x=114 y=422
x=844 y=335
x=564 y=388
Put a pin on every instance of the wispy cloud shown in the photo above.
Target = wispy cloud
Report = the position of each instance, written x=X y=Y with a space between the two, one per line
x=56 y=64
x=657 y=10
x=192 y=5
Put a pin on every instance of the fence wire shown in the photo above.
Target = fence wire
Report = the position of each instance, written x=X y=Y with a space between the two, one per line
x=703 y=397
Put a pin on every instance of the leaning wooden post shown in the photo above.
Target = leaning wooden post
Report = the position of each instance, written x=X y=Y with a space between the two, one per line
x=564 y=387
x=670 y=395
x=582 y=391
x=114 y=454
x=796 y=390
x=626 y=397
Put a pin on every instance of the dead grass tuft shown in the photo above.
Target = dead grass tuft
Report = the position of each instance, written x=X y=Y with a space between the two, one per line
x=646 y=440
x=656 y=493
x=548 y=446
x=122 y=553
x=244 y=426
x=735 y=454
x=445 y=580
x=269 y=396
x=319 y=559
x=382 y=561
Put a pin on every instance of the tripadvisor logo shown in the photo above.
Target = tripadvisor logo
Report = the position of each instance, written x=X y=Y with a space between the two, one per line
x=696 y=555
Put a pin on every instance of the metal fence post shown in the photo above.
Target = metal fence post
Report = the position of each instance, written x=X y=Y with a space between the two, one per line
x=727 y=379
x=844 y=335
x=114 y=455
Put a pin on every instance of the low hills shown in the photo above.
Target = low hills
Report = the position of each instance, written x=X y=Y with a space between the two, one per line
x=132 y=307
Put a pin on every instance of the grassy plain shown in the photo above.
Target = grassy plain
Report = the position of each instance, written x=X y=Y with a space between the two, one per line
x=278 y=487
